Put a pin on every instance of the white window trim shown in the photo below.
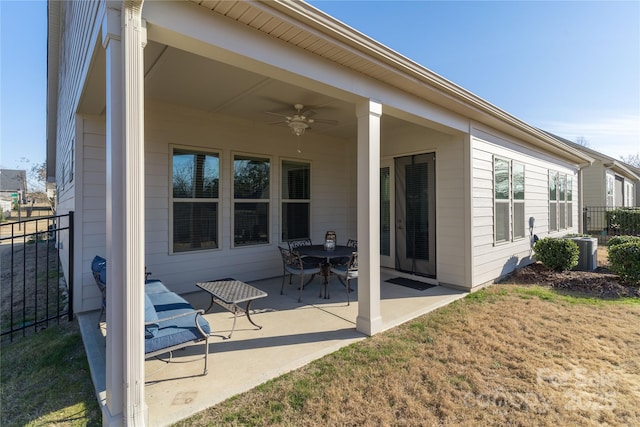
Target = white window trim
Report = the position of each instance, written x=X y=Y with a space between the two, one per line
x=507 y=201
x=283 y=200
x=218 y=200
x=269 y=201
x=518 y=201
x=568 y=216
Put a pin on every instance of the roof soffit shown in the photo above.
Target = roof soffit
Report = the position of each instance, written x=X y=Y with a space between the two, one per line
x=298 y=23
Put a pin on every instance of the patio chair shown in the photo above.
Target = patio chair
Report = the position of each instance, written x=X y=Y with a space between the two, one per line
x=346 y=272
x=352 y=243
x=99 y=270
x=292 y=264
x=309 y=262
x=294 y=244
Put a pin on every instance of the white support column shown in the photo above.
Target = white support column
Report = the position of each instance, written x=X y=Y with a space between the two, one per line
x=369 y=320
x=124 y=38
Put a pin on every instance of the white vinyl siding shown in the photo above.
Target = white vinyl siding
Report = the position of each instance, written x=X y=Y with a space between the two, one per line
x=166 y=125
x=81 y=22
x=491 y=260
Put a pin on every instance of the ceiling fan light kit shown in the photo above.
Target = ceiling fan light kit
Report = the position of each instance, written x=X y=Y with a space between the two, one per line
x=297 y=127
x=298 y=122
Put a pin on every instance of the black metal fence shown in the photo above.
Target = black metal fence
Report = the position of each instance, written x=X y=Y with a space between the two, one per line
x=605 y=222
x=33 y=289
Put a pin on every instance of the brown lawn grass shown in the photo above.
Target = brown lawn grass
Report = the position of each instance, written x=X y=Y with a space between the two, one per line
x=507 y=355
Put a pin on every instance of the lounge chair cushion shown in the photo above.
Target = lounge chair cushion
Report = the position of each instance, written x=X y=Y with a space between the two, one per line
x=175 y=331
x=154 y=286
x=150 y=315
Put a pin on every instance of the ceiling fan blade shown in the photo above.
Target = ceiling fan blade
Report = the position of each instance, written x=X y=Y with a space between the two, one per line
x=276 y=114
x=279 y=122
x=326 y=121
x=309 y=112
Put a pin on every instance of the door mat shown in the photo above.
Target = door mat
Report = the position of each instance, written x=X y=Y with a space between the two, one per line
x=410 y=283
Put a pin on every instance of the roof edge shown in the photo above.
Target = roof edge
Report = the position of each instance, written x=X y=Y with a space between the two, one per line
x=53 y=55
x=338 y=30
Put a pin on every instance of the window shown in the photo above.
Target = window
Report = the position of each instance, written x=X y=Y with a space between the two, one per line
x=553 y=201
x=569 y=201
x=501 y=199
x=194 y=200
x=385 y=211
x=518 y=201
x=610 y=186
x=508 y=178
x=628 y=194
x=560 y=201
x=251 y=180
x=296 y=200
x=562 y=194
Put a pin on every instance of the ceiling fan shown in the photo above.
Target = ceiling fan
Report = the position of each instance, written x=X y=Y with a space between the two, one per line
x=300 y=120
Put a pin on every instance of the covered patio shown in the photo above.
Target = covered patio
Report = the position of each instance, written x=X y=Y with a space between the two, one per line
x=292 y=335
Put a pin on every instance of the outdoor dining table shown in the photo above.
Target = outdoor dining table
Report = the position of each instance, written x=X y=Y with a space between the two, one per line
x=319 y=251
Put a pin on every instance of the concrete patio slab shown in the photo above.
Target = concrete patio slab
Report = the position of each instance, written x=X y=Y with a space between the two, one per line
x=292 y=335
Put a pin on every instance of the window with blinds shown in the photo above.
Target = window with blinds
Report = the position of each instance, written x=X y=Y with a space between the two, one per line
x=501 y=199
x=518 y=201
x=195 y=177
x=509 y=200
x=560 y=201
x=553 y=201
x=385 y=211
x=251 y=182
x=296 y=200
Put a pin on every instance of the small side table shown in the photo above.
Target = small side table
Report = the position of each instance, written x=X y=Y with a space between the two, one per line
x=228 y=293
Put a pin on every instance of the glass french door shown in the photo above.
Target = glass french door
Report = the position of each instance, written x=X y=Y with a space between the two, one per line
x=415 y=214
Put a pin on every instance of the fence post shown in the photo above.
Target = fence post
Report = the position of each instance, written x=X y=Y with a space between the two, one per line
x=71 y=266
x=585 y=228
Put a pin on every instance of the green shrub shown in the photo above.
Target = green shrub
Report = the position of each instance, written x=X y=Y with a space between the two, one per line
x=617 y=240
x=624 y=260
x=573 y=235
x=557 y=254
x=624 y=221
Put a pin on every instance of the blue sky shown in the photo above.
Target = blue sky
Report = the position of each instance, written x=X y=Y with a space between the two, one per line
x=23 y=84
x=572 y=68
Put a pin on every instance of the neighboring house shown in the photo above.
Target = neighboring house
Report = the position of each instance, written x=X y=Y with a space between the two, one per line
x=12 y=181
x=636 y=195
x=160 y=139
x=607 y=182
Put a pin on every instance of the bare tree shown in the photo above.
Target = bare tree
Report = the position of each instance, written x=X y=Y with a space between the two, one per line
x=38 y=176
x=581 y=140
x=632 y=159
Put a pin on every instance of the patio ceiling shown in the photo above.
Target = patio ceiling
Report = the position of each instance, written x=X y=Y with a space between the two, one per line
x=174 y=76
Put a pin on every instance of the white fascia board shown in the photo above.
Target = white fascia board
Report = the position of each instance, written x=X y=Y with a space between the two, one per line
x=471 y=104
x=621 y=169
x=53 y=55
x=538 y=147
x=185 y=26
